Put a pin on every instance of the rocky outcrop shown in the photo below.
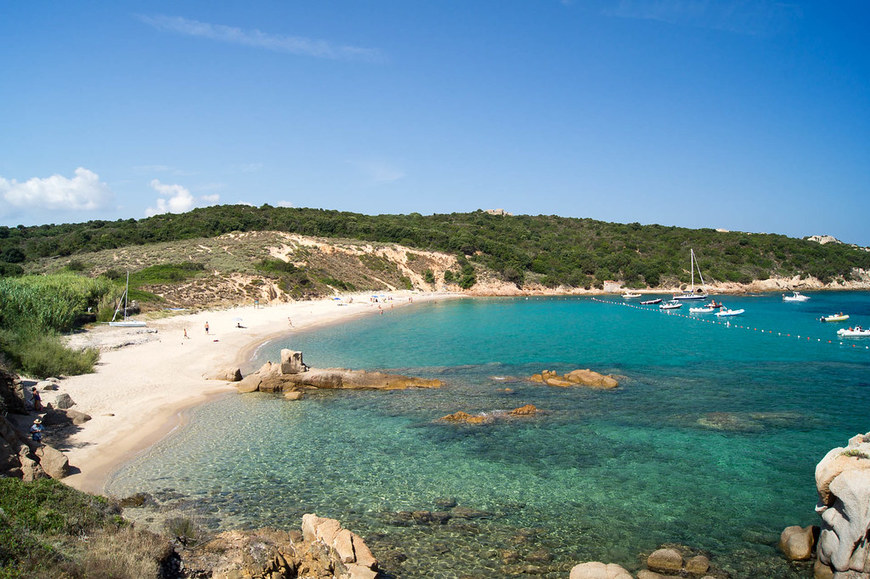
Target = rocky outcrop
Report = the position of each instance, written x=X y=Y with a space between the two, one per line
x=843 y=483
x=20 y=457
x=584 y=377
x=323 y=549
x=272 y=378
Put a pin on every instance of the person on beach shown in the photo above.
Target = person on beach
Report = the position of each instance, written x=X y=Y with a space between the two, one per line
x=36 y=430
x=37 y=400
x=206 y=327
x=185 y=334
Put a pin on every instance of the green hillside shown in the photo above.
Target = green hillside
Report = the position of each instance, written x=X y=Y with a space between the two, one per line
x=549 y=250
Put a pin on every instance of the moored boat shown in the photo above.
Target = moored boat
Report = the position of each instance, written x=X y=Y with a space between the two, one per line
x=795 y=297
x=690 y=294
x=838 y=317
x=651 y=302
x=725 y=312
x=856 y=332
x=630 y=295
x=704 y=310
x=671 y=305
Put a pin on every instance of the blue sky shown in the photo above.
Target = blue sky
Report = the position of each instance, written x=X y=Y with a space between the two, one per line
x=736 y=114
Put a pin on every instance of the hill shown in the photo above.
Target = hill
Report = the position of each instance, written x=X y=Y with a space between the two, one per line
x=269 y=253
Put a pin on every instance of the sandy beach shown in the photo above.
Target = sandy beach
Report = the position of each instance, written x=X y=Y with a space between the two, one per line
x=147 y=377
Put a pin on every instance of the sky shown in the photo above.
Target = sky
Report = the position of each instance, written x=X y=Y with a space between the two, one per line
x=744 y=115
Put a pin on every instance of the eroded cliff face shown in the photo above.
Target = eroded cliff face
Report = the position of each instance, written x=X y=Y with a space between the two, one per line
x=843 y=483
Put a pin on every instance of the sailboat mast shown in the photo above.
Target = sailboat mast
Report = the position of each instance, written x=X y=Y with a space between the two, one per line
x=126 y=293
x=692 y=267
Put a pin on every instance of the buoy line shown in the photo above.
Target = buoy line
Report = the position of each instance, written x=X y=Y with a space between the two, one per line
x=728 y=324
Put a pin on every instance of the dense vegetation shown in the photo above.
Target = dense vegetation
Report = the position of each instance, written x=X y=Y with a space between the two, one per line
x=547 y=249
x=50 y=530
x=35 y=309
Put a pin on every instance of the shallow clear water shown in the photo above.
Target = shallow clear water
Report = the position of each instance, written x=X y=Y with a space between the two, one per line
x=710 y=441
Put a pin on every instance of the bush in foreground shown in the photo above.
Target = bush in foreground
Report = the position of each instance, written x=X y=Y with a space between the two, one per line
x=50 y=530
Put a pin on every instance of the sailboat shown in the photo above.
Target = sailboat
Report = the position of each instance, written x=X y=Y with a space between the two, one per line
x=125 y=323
x=690 y=294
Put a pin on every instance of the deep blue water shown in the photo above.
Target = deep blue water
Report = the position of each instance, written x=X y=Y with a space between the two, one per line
x=710 y=441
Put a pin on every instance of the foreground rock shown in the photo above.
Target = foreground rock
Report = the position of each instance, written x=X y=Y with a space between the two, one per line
x=596 y=570
x=585 y=377
x=843 y=484
x=323 y=549
x=292 y=374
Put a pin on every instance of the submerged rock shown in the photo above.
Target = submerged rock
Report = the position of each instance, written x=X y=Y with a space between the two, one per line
x=466 y=418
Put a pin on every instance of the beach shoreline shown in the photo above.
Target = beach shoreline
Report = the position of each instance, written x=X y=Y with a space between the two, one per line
x=149 y=378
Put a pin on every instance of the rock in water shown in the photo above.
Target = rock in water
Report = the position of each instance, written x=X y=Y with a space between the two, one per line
x=843 y=483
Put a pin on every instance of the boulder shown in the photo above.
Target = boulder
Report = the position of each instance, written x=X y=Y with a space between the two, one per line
x=526 y=410
x=63 y=401
x=596 y=570
x=797 y=543
x=293 y=395
x=225 y=374
x=76 y=417
x=291 y=362
x=348 y=552
x=843 y=483
x=698 y=565
x=846 y=523
x=665 y=560
x=588 y=377
x=53 y=462
x=584 y=377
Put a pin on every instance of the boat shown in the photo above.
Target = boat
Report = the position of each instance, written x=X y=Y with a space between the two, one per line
x=840 y=317
x=671 y=305
x=795 y=297
x=704 y=310
x=690 y=294
x=651 y=302
x=125 y=323
x=714 y=304
x=630 y=295
x=856 y=332
x=728 y=312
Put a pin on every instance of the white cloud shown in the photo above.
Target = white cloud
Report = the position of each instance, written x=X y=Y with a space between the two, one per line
x=258 y=39
x=83 y=192
x=285 y=204
x=177 y=199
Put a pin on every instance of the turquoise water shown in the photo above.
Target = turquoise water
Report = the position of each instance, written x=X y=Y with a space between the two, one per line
x=710 y=441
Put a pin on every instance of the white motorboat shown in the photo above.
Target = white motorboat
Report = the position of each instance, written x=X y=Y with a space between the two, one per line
x=725 y=312
x=795 y=297
x=671 y=305
x=856 y=332
x=630 y=295
x=651 y=302
x=690 y=294
x=704 y=310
